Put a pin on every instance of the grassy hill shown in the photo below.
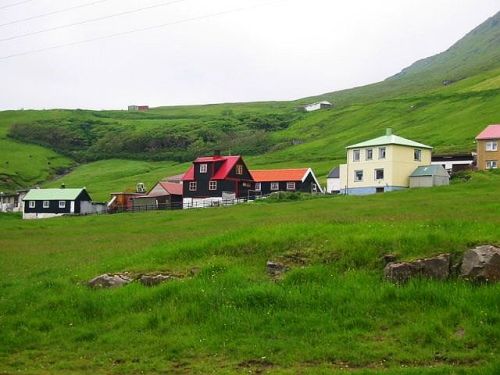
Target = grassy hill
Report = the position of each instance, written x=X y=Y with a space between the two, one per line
x=331 y=313
x=36 y=145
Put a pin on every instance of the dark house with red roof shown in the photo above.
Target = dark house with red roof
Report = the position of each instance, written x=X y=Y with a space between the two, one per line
x=217 y=177
x=272 y=180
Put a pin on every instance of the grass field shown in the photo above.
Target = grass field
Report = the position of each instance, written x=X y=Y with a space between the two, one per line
x=331 y=313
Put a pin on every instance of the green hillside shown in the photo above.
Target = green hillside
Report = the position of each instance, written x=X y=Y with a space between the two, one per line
x=161 y=142
x=331 y=313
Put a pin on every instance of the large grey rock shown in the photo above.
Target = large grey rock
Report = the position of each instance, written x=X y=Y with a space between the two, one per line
x=109 y=281
x=437 y=267
x=275 y=269
x=151 y=280
x=481 y=264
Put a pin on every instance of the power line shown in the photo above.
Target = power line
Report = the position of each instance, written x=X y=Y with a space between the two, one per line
x=15 y=4
x=120 y=14
x=53 y=12
x=139 y=30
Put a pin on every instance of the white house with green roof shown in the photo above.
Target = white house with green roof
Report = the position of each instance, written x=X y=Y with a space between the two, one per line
x=46 y=203
x=382 y=164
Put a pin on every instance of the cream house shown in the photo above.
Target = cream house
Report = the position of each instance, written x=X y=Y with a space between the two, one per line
x=382 y=164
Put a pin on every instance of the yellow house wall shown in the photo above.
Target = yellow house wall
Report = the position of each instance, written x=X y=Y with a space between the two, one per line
x=483 y=155
x=398 y=164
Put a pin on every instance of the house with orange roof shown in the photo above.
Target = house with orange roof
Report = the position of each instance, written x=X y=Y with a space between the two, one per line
x=163 y=196
x=272 y=180
x=488 y=152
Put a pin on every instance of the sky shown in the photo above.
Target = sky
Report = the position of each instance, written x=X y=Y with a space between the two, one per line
x=107 y=54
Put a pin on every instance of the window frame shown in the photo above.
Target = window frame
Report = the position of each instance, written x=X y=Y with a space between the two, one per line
x=491 y=164
x=356 y=152
x=493 y=146
x=275 y=186
x=63 y=204
x=32 y=204
x=204 y=168
x=375 y=174
x=212 y=185
x=369 y=151
x=415 y=152
x=290 y=185
x=258 y=186
x=380 y=149
x=46 y=204
x=193 y=186
x=356 y=174
x=239 y=169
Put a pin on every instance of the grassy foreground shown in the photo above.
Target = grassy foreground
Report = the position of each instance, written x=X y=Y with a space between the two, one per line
x=331 y=313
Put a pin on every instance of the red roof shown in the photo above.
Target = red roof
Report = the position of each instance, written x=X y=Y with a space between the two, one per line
x=171 y=187
x=276 y=175
x=228 y=162
x=491 y=132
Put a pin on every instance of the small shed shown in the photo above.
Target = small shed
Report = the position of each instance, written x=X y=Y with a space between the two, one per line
x=163 y=196
x=428 y=176
x=333 y=181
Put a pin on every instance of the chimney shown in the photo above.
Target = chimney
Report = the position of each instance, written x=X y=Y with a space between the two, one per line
x=388 y=131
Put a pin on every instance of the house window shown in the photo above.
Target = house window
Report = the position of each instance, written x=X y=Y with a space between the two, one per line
x=491 y=146
x=275 y=186
x=417 y=154
x=369 y=154
x=192 y=186
x=314 y=187
x=212 y=185
x=290 y=186
x=62 y=204
x=356 y=155
x=358 y=176
x=32 y=204
x=381 y=153
x=239 y=169
x=46 y=204
x=491 y=164
x=203 y=168
x=258 y=186
x=379 y=174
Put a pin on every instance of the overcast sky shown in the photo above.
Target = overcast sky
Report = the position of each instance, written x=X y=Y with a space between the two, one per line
x=218 y=50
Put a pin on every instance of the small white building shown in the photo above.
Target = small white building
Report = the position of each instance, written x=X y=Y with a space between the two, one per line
x=317 y=106
x=333 y=181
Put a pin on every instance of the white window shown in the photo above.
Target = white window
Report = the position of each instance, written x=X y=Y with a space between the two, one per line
x=381 y=153
x=356 y=155
x=417 y=154
x=239 y=169
x=203 y=168
x=492 y=146
x=290 y=186
x=358 y=176
x=275 y=186
x=314 y=187
x=32 y=204
x=62 y=204
x=212 y=185
x=369 y=154
x=46 y=204
x=379 y=174
x=258 y=186
x=192 y=186
x=491 y=164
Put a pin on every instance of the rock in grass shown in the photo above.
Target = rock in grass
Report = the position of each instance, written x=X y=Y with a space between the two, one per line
x=275 y=268
x=437 y=267
x=109 y=281
x=151 y=280
x=481 y=264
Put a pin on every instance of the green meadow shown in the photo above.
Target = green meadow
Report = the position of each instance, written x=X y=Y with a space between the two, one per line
x=331 y=313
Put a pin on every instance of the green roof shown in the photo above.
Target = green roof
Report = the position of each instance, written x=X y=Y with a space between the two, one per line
x=52 y=194
x=389 y=139
x=429 y=170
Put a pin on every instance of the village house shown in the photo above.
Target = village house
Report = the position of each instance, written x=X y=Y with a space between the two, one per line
x=163 y=196
x=454 y=163
x=214 y=179
x=333 y=181
x=141 y=108
x=272 y=180
x=46 y=203
x=12 y=202
x=382 y=164
x=488 y=152
x=316 y=106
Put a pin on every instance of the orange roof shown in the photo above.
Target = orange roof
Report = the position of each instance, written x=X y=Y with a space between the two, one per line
x=172 y=188
x=276 y=175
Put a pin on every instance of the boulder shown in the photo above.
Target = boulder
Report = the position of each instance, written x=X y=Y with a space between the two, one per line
x=437 y=267
x=481 y=264
x=109 y=281
x=151 y=280
x=275 y=268
x=389 y=258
